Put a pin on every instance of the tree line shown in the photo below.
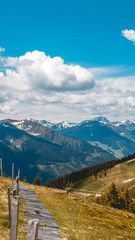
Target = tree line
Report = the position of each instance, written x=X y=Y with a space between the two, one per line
x=73 y=177
x=117 y=199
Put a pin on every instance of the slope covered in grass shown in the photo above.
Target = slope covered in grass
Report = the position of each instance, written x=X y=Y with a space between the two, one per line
x=81 y=219
x=78 y=217
x=123 y=175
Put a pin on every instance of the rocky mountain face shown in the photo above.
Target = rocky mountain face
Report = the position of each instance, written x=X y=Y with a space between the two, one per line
x=40 y=151
x=117 y=138
x=127 y=125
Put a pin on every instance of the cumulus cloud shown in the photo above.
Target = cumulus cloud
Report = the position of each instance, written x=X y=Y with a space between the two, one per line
x=36 y=85
x=129 y=34
x=36 y=71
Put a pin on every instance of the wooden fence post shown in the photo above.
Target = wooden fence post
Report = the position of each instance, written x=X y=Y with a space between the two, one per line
x=9 y=206
x=1 y=168
x=12 y=174
x=32 y=233
x=14 y=216
x=17 y=186
x=19 y=174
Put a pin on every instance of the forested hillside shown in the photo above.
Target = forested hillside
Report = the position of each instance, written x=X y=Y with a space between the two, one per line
x=77 y=176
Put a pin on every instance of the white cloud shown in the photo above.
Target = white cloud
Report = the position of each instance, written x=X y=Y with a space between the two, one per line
x=126 y=83
x=2 y=49
x=5 y=109
x=129 y=34
x=36 y=85
x=37 y=71
x=1 y=74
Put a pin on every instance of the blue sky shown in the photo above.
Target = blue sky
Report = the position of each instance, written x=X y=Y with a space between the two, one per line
x=87 y=33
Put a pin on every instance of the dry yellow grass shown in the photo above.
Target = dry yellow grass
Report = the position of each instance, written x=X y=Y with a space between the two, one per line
x=4 y=230
x=4 y=221
x=81 y=219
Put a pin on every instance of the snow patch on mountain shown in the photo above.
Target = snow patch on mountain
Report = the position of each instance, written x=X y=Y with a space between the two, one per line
x=5 y=125
x=123 y=122
x=57 y=124
x=35 y=134
x=101 y=120
x=25 y=124
x=11 y=140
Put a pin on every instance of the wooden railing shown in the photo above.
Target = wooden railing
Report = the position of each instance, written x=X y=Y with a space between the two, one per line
x=13 y=209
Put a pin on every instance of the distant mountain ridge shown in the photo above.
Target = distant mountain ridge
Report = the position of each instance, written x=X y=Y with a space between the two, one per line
x=39 y=150
x=118 y=138
x=59 y=125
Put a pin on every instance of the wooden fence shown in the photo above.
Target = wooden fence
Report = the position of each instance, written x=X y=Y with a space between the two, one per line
x=13 y=208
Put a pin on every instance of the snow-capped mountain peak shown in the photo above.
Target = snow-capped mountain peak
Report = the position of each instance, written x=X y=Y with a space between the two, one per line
x=101 y=120
x=57 y=124
x=124 y=122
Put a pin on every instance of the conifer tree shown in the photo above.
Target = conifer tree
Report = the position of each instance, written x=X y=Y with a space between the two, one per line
x=128 y=200
x=25 y=180
x=116 y=199
x=37 y=181
x=112 y=195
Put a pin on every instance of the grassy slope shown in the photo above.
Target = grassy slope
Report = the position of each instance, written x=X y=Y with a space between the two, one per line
x=4 y=222
x=81 y=219
x=118 y=174
x=77 y=216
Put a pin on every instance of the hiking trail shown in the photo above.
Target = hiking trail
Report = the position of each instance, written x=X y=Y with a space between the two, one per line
x=34 y=209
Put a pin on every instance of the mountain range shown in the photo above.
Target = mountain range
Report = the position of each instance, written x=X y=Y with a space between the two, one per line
x=53 y=148
x=118 y=138
x=40 y=151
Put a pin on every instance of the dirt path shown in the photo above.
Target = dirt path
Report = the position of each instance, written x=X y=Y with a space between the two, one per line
x=34 y=209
